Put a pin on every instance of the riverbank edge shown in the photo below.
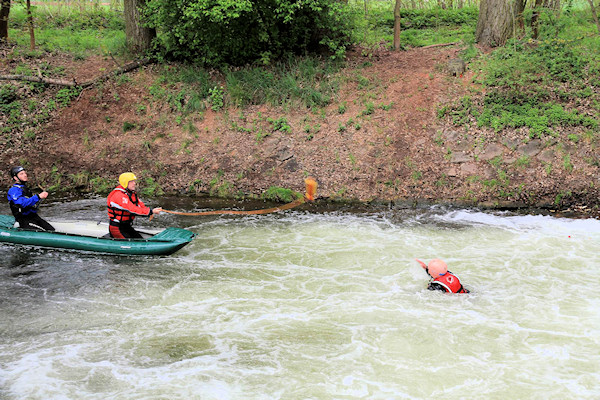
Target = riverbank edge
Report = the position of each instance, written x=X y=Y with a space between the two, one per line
x=331 y=204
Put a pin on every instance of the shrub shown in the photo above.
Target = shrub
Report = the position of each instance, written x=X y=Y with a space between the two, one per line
x=279 y=194
x=239 y=32
x=8 y=94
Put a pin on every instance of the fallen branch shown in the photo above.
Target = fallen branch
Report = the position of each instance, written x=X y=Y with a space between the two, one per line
x=65 y=82
x=113 y=58
x=51 y=81
x=440 y=45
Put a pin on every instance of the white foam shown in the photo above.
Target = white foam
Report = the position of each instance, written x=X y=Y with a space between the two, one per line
x=302 y=305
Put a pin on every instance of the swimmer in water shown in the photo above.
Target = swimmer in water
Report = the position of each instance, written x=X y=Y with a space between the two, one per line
x=441 y=278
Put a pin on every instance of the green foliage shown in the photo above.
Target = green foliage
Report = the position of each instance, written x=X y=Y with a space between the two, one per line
x=19 y=114
x=561 y=196
x=184 y=87
x=220 y=189
x=522 y=161
x=100 y=185
x=66 y=95
x=279 y=194
x=385 y=107
x=533 y=85
x=151 y=188
x=433 y=18
x=520 y=64
x=8 y=94
x=72 y=18
x=128 y=126
x=280 y=124
x=459 y=113
x=75 y=30
x=306 y=80
x=419 y=26
x=53 y=182
x=369 y=109
x=503 y=111
x=238 y=32
x=216 y=98
x=567 y=164
x=80 y=179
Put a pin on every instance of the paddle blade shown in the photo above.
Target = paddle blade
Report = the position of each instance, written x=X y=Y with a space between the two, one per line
x=311 y=188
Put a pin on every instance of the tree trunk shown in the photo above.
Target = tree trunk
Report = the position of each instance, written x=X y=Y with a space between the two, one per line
x=30 y=23
x=4 y=11
x=495 y=23
x=139 y=37
x=595 y=14
x=397 y=25
x=535 y=23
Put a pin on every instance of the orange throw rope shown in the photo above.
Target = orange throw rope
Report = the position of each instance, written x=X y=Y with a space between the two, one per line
x=311 y=191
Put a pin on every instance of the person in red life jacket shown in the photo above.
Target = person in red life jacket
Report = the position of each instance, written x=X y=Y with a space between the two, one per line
x=24 y=204
x=441 y=278
x=123 y=206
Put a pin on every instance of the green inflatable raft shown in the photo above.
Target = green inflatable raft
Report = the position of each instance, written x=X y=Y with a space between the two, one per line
x=93 y=236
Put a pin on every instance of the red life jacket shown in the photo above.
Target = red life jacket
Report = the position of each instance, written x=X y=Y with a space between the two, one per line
x=450 y=283
x=123 y=205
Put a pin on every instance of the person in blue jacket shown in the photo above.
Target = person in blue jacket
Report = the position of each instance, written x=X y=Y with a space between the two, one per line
x=24 y=204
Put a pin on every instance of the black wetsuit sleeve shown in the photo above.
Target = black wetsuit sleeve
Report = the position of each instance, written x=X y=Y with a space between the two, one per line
x=436 y=286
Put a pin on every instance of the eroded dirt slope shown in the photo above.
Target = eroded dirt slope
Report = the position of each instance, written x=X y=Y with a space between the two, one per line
x=380 y=139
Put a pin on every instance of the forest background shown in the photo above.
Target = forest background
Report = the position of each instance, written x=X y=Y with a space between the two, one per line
x=488 y=103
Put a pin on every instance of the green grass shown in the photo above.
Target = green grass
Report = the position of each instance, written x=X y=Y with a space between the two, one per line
x=444 y=34
x=419 y=27
x=302 y=80
x=279 y=194
x=80 y=32
x=186 y=88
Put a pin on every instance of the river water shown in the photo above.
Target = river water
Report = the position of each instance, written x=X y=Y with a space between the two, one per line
x=309 y=304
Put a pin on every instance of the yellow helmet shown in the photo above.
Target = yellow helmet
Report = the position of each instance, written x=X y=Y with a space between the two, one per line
x=125 y=178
